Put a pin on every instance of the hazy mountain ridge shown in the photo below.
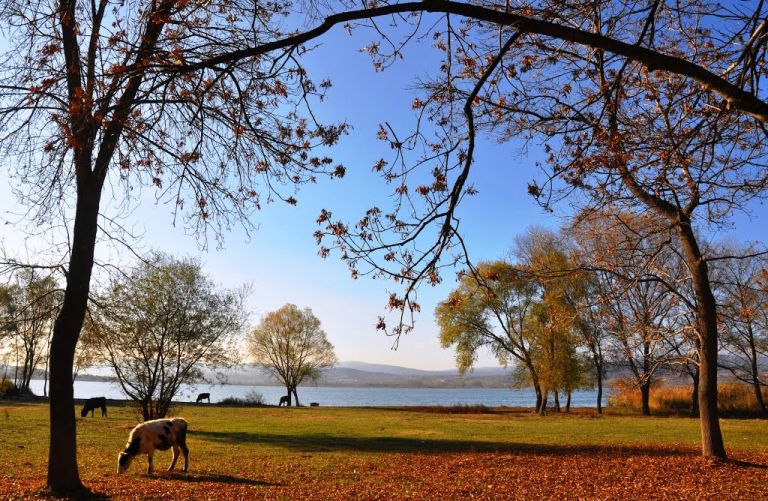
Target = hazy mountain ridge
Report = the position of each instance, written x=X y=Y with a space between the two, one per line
x=371 y=375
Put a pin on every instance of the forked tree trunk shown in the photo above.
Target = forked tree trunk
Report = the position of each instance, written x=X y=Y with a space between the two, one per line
x=536 y=385
x=557 y=400
x=63 y=475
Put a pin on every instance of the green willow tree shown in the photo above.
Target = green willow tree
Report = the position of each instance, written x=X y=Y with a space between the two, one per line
x=489 y=309
x=163 y=326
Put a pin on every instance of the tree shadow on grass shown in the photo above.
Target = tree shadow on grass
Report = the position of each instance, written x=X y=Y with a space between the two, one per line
x=211 y=477
x=335 y=443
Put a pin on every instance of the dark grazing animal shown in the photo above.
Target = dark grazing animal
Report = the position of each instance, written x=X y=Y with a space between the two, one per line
x=314 y=404
x=94 y=403
x=149 y=436
x=204 y=396
x=284 y=400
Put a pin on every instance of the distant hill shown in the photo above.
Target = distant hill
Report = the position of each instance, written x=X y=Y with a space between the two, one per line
x=366 y=374
x=8 y=371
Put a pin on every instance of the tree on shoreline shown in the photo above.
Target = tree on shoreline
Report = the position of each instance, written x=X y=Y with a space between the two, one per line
x=161 y=326
x=290 y=345
x=490 y=308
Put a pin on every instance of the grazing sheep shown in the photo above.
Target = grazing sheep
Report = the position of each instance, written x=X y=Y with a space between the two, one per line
x=94 y=403
x=284 y=400
x=160 y=434
x=314 y=404
x=204 y=396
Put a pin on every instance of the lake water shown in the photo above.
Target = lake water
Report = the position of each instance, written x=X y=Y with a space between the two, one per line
x=345 y=397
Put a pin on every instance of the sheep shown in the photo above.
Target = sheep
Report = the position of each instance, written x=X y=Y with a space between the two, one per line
x=284 y=400
x=94 y=403
x=159 y=434
x=204 y=396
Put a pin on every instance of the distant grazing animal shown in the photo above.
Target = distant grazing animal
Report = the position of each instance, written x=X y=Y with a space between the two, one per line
x=204 y=396
x=94 y=403
x=284 y=400
x=161 y=435
x=314 y=404
x=12 y=393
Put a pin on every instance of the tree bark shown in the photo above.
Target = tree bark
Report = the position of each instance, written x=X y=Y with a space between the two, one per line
x=758 y=395
x=645 y=398
x=599 y=390
x=755 y=372
x=568 y=402
x=706 y=325
x=63 y=474
x=695 y=395
x=539 y=397
x=557 y=400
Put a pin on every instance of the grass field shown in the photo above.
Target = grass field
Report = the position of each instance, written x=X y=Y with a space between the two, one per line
x=334 y=453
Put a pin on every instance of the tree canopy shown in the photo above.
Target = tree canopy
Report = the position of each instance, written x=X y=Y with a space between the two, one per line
x=163 y=326
x=290 y=345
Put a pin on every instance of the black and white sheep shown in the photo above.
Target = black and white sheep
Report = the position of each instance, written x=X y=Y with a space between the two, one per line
x=159 y=434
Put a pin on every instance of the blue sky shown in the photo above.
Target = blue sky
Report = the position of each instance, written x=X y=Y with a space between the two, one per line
x=280 y=259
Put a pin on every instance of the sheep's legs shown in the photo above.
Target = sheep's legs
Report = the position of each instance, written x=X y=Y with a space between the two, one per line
x=149 y=463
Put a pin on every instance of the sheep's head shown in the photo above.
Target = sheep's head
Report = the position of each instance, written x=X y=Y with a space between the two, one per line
x=124 y=461
x=84 y=412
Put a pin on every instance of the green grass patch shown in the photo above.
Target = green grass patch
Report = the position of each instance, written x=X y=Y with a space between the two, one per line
x=281 y=448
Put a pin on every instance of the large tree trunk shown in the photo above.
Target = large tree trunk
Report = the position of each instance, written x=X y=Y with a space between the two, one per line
x=568 y=402
x=645 y=397
x=557 y=400
x=599 y=390
x=539 y=397
x=62 y=456
x=758 y=395
x=543 y=408
x=706 y=326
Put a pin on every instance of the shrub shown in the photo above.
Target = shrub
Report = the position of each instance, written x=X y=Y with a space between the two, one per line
x=625 y=394
x=732 y=398
x=7 y=386
x=251 y=399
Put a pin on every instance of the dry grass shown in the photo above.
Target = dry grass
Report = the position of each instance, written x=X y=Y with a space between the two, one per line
x=327 y=453
x=734 y=399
